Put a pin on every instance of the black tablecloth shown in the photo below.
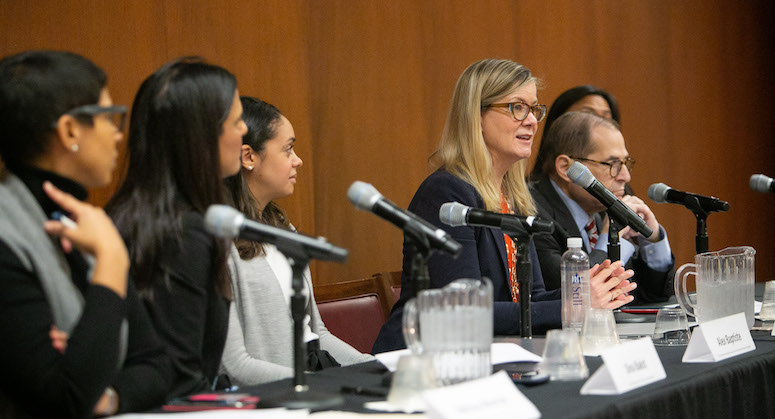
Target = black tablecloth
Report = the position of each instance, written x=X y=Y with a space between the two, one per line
x=743 y=386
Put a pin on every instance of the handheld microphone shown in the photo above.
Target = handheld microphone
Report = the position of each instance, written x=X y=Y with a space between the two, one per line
x=365 y=197
x=456 y=214
x=762 y=183
x=617 y=209
x=661 y=193
x=226 y=222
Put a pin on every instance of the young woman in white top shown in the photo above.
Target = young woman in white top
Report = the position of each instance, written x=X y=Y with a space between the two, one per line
x=259 y=344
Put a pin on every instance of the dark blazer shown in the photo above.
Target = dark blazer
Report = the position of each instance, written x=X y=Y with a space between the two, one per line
x=189 y=315
x=483 y=255
x=653 y=286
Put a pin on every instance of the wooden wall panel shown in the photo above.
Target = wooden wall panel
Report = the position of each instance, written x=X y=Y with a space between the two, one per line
x=130 y=40
x=367 y=85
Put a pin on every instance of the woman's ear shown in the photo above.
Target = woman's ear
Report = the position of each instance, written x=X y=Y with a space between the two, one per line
x=68 y=132
x=561 y=165
x=248 y=157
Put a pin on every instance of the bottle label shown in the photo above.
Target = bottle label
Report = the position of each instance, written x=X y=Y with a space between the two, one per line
x=576 y=289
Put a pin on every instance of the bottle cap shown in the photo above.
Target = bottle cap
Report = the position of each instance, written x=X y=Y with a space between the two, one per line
x=574 y=242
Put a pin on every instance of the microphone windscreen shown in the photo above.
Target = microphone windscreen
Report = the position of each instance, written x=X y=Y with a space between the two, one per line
x=453 y=214
x=760 y=183
x=580 y=175
x=540 y=225
x=223 y=221
x=658 y=192
x=363 y=195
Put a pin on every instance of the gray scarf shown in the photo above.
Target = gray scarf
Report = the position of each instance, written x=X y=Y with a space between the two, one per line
x=21 y=228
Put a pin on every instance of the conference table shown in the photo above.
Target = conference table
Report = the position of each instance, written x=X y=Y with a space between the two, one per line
x=743 y=386
x=739 y=387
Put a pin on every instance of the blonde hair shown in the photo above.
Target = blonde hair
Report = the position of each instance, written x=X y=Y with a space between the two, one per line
x=463 y=152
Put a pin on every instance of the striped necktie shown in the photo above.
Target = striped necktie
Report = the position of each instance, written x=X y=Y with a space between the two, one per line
x=591 y=228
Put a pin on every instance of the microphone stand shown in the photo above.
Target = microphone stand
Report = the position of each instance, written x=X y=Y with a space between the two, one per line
x=701 y=241
x=421 y=250
x=300 y=396
x=614 y=248
x=522 y=238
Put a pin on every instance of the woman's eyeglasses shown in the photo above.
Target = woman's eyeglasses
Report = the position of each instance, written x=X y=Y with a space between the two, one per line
x=520 y=110
x=115 y=114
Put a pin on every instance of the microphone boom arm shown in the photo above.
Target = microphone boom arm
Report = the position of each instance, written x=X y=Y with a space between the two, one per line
x=421 y=250
x=614 y=248
x=522 y=237
x=701 y=240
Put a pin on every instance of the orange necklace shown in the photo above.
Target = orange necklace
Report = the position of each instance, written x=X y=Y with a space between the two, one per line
x=511 y=253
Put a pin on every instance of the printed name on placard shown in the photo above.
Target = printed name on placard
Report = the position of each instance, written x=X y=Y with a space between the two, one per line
x=626 y=367
x=719 y=339
x=724 y=340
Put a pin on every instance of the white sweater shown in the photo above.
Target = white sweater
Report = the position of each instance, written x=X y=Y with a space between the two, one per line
x=259 y=346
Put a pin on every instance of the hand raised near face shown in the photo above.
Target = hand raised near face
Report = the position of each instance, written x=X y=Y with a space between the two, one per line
x=92 y=232
x=639 y=207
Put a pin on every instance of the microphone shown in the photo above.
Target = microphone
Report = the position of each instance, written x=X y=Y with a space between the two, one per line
x=581 y=176
x=762 y=183
x=456 y=214
x=226 y=222
x=365 y=197
x=661 y=193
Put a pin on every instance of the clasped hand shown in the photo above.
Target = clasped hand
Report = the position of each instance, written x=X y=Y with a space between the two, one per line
x=610 y=285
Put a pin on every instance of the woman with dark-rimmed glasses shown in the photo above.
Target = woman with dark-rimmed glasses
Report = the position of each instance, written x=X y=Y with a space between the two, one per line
x=487 y=139
x=76 y=338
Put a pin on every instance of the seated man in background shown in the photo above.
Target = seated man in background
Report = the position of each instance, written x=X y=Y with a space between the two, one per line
x=597 y=143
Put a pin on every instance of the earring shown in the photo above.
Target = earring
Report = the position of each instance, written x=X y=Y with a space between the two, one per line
x=250 y=167
x=74 y=148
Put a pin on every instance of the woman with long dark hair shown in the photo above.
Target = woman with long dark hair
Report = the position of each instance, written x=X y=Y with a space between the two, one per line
x=76 y=340
x=185 y=137
x=259 y=347
x=585 y=98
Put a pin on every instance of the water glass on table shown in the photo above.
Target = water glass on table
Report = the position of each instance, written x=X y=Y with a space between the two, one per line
x=562 y=358
x=414 y=374
x=599 y=331
x=671 y=327
x=767 y=314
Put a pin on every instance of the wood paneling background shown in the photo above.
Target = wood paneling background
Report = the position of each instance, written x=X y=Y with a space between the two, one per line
x=367 y=86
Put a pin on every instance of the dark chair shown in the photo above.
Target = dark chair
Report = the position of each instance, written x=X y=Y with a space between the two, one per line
x=353 y=311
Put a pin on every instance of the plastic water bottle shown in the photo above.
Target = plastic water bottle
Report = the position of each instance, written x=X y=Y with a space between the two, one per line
x=574 y=270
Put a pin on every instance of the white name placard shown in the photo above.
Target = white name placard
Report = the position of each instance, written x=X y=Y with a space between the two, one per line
x=719 y=339
x=626 y=367
x=495 y=396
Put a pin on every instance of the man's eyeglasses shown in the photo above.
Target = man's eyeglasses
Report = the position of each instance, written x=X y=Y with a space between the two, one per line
x=115 y=114
x=520 y=110
x=615 y=165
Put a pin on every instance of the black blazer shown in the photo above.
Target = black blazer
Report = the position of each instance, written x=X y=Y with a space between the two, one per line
x=483 y=255
x=653 y=286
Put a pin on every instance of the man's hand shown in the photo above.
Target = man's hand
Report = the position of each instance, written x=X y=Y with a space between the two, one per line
x=639 y=207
